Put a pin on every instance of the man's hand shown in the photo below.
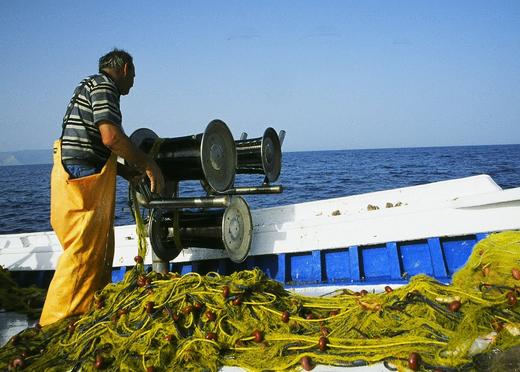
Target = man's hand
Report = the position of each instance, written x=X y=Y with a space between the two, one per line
x=155 y=176
x=119 y=143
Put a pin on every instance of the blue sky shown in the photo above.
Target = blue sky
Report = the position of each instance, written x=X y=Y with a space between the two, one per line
x=333 y=74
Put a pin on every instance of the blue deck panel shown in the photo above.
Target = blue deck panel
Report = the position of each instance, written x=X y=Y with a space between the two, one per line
x=416 y=258
x=457 y=251
x=118 y=273
x=481 y=236
x=437 y=256
x=304 y=267
x=336 y=265
x=393 y=262
x=269 y=264
x=355 y=272
x=374 y=263
x=281 y=275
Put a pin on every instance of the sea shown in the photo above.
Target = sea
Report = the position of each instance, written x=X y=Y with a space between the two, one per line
x=305 y=176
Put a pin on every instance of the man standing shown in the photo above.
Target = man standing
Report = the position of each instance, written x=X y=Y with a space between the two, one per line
x=83 y=184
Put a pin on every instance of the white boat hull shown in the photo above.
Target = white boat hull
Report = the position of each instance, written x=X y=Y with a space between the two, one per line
x=461 y=207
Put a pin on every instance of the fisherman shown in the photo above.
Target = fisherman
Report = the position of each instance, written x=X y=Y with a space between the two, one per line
x=83 y=184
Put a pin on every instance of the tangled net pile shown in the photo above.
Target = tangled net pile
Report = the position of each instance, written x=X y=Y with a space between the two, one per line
x=25 y=300
x=157 y=322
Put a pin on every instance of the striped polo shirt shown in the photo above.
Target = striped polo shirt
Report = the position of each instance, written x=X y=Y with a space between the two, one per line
x=96 y=99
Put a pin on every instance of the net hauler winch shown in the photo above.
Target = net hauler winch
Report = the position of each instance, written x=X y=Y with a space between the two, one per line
x=221 y=219
x=229 y=229
x=209 y=156
x=262 y=155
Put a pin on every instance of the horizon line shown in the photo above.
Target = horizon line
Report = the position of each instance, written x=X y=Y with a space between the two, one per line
x=337 y=149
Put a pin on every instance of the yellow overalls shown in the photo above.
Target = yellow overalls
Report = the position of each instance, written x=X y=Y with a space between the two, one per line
x=82 y=216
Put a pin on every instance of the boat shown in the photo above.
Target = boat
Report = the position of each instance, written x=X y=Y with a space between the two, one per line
x=370 y=239
x=365 y=241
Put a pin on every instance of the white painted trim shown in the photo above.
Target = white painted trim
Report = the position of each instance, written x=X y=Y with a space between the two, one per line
x=448 y=208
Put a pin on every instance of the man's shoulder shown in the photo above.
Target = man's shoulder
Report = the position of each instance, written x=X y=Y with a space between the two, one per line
x=101 y=84
x=98 y=79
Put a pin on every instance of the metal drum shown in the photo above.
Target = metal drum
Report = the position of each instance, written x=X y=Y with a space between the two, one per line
x=209 y=156
x=230 y=229
x=262 y=155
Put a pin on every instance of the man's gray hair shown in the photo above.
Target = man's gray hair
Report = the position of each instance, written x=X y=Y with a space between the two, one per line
x=116 y=58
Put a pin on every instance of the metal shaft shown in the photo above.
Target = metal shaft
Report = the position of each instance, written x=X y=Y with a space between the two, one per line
x=179 y=203
x=254 y=190
x=159 y=265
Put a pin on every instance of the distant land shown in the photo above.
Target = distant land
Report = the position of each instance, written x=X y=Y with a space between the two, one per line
x=26 y=157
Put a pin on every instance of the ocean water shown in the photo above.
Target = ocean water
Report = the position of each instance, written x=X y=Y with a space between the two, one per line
x=306 y=176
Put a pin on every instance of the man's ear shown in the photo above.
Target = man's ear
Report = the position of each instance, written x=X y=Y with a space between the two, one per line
x=125 y=69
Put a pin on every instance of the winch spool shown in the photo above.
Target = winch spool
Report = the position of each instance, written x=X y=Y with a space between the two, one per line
x=230 y=229
x=221 y=219
x=262 y=155
x=210 y=156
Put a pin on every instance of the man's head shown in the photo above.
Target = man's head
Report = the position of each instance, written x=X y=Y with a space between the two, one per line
x=120 y=66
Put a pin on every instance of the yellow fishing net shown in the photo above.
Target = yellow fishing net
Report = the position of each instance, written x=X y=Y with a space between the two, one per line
x=167 y=322
x=25 y=300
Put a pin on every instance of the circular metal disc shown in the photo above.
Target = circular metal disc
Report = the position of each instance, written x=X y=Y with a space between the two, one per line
x=237 y=229
x=271 y=154
x=158 y=232
x=218 y=156
x=142 y=134
x=137 y=138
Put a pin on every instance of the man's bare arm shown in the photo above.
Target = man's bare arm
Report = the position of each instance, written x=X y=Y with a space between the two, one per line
x=119 y=143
